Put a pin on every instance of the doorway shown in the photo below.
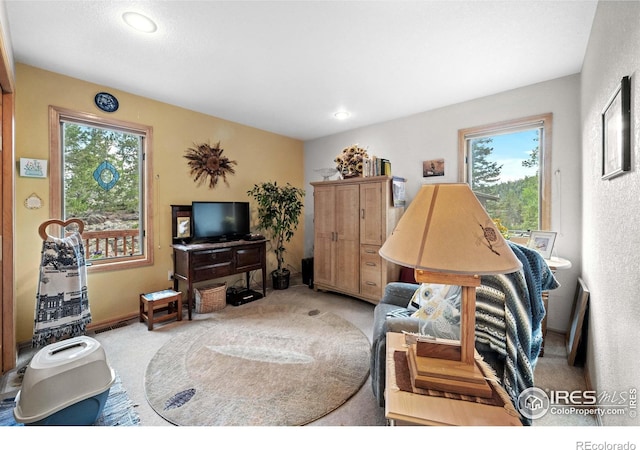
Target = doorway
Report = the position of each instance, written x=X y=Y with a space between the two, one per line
x=7 y=170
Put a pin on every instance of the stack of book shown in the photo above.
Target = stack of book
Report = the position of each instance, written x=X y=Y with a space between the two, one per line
x=374 y=167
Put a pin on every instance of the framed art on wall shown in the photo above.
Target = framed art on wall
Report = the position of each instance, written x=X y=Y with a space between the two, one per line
x=433 y=168
x=34 y=168
x=616 y=132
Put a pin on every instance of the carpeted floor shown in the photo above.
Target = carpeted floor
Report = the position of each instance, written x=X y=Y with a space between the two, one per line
x=131 y=347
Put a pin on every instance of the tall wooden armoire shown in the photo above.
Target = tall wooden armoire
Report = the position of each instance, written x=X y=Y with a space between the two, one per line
x=352 y=219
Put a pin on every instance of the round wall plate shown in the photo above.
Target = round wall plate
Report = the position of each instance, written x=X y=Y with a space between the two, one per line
x=106 y=102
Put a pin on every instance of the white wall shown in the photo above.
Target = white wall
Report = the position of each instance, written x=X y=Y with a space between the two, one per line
x=409 y=141
x=611 y=211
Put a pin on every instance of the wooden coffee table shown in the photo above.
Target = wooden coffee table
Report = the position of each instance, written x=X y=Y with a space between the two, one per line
x=407 y=408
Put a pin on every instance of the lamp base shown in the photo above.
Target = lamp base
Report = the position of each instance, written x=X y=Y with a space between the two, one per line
x=447 y=375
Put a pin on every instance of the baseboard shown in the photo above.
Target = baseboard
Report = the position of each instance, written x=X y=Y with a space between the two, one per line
x=589 y=385
x=112 y=323
x=95 y=327
x=564 y=332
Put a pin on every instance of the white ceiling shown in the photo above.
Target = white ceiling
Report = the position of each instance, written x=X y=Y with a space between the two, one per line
x=287 y=66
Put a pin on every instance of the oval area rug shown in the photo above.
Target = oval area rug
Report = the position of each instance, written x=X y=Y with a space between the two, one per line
x=264 y=365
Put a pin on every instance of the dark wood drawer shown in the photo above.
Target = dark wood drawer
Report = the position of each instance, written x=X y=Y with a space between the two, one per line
x=248 y=257
x=216 y=271
x=210 y=257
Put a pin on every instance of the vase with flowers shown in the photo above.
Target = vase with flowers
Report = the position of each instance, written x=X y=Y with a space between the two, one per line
x=350 y=163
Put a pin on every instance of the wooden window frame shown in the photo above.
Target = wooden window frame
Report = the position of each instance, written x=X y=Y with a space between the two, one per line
x=543 y=121
x=56 y=116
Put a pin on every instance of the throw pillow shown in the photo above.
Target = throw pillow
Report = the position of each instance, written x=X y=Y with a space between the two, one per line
x=439 y=312
x=424 y=293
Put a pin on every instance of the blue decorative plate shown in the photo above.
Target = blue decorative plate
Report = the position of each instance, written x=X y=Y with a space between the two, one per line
x=106 y=102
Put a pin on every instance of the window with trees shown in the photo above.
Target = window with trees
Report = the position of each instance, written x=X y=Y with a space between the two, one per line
x=508 y=166
x=101 y=174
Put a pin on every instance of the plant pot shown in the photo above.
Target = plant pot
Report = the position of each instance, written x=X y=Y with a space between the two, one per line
x=280 y=279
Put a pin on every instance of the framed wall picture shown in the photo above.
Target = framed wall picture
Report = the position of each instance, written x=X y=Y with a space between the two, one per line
x=616 y=132
x=578 y=312
x=35 y=168
x=433 y=168
x=542 y=242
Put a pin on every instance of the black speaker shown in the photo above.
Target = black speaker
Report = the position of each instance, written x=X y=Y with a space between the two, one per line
x=307 y=271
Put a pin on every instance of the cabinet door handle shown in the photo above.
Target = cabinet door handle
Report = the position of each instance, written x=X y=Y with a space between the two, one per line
x=362 y=212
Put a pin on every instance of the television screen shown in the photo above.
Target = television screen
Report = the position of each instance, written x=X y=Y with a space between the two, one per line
x=217 y=221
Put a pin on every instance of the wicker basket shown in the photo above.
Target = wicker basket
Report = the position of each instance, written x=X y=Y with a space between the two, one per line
x=211 y=298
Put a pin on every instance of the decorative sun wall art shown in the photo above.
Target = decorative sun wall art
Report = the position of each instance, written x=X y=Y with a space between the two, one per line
x=206 y=161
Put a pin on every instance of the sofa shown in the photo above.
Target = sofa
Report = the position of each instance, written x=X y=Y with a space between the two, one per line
x=509 y=313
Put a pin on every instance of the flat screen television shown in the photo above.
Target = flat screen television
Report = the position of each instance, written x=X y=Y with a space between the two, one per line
x=220 y=221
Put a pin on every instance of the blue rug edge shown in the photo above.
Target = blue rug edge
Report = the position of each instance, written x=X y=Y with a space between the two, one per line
x=118 y=410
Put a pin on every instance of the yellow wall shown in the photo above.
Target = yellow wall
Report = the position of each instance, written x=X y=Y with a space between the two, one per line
x=261 y=156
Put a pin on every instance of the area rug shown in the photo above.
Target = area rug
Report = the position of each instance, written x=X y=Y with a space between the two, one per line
x=265 y=365
x=118 y=409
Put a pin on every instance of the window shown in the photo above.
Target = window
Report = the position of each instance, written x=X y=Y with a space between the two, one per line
x=508 y=166
x=101 y=173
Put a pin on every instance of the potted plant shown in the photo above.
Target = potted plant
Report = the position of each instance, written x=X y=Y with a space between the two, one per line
x=279 y=209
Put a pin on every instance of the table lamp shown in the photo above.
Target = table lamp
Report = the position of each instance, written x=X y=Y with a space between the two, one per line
x=447 y=237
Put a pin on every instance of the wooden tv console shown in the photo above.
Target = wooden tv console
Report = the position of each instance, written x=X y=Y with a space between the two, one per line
x=193 y=263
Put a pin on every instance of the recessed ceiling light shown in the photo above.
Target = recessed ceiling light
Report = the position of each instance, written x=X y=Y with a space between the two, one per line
x=341 y=115
x=139 y=22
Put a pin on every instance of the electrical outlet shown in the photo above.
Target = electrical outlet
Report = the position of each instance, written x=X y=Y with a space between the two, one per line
x=170 y=275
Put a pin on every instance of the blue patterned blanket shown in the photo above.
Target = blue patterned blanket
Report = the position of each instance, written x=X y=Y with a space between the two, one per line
x=509 y=313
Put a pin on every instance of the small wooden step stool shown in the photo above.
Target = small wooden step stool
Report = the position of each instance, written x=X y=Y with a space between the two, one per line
x=153 y=302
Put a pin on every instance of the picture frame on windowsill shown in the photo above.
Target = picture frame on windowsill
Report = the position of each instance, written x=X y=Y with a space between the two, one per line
x=542 y=242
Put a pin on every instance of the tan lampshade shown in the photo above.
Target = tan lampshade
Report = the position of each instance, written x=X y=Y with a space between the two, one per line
x=445 y=229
